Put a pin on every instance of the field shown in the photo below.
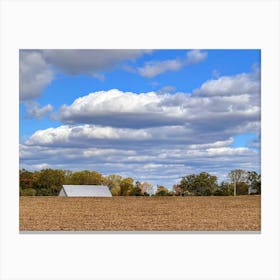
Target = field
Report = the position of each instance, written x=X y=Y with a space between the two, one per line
x=241 y=213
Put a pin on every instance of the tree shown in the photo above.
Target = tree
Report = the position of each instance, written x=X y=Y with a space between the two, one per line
x=136 y=191
x=51 y=180
x=178 y=191
x=115 y=190
x=147 y=187
x=28 y=192
x=126 y=186
x=113 y=181
x=242 y=188
x=201 y=184
x=86 y=177
x=25 y=179
x=237 y=176
x=226 y=188
x=254 y=181
x=162 y=191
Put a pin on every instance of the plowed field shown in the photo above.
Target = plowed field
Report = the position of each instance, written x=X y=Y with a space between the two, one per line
x=241 y=213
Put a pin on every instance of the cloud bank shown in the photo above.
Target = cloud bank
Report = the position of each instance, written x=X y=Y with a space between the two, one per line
x=156 y=137
x=218 y=105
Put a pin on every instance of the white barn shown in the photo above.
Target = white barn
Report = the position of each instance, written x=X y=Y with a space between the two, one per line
x=85 y=190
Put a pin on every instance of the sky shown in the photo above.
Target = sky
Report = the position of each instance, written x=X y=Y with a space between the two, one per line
x=153 y=115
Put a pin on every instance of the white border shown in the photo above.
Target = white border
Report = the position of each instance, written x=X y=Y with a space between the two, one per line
x=140 y=24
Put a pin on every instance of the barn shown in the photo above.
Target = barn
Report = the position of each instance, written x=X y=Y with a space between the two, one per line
x=85 y=190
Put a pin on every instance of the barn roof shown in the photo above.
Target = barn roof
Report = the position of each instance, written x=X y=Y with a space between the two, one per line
x=86 y=190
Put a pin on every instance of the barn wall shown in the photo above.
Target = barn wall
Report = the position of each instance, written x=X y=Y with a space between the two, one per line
x=62 y=192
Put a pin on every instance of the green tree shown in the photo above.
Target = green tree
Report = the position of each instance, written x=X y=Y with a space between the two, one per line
x=226 y=188
x=28 y=192
x=201 y=184
x=136 y=191
x=254 y=181
x=242 y=188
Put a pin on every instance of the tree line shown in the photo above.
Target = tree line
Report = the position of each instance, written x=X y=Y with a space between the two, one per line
x=48 y=182
x=240 y=182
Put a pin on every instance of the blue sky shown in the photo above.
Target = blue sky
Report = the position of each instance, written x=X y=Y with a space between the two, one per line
x=154 y=115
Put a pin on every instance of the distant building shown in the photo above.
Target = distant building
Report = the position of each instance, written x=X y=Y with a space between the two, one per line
x=85 y=191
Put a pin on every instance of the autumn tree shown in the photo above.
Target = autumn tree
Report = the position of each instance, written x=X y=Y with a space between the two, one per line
x=178 y=191
x=49 y=181
x=113 y=181
x=147 y=188
x=162 y=191
x=126 y=186
x=25 y=179
x=86 y=177
x=115 y=191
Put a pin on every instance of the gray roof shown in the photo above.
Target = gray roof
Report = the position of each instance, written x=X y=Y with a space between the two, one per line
x=86 y=190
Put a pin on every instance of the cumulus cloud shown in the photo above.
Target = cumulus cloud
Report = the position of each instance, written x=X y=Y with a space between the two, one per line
x=37 y=67
x=34 y=74
x=154 y=68
x=245 y=83
x=127 y=109
x=34 y=111
x=77 y=135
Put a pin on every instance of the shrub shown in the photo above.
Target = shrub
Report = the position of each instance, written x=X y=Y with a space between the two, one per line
x=28 y=192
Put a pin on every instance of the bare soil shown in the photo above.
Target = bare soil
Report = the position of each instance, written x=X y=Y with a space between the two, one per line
x=241 y=213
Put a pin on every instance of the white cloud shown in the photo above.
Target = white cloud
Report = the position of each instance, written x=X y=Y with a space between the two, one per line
x=154 y=68
x=127 y=109
x=63 y=135
x=245 y=83
x=34 y=75
x=228 y=151
x=195 y=56
x=34 y=111
x=216 y=144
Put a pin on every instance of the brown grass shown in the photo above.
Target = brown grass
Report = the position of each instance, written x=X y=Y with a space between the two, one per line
x=242 y=213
